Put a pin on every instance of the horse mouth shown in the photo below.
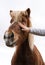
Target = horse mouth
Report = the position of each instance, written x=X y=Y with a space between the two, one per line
x=11 y=44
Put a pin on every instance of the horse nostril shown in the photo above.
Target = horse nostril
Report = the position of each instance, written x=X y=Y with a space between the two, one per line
x=12 y=35
x=8 y=35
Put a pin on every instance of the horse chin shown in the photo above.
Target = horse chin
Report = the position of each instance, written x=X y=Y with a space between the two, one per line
x=11 y=44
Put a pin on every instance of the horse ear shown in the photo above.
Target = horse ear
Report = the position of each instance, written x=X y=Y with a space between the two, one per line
x=28 y=12
x=11 y=21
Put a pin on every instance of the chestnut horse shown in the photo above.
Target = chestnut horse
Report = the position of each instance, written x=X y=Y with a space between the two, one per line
x=26 y=52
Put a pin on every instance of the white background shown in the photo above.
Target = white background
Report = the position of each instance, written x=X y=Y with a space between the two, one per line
x=37 y=18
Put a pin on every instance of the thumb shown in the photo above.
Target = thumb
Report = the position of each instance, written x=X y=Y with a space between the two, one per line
x=24 y=30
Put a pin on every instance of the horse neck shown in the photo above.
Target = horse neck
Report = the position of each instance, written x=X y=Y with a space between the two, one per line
x=23 y=48
x=22 y=52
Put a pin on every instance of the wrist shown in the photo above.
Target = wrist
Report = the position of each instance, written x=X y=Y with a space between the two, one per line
x=29 y=30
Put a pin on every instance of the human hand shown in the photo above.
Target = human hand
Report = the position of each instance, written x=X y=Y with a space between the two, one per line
x=24 y=28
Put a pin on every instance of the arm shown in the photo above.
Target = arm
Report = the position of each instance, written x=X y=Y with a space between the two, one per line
x=40 y=32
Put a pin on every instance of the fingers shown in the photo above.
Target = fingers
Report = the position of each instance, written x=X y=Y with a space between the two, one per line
x=23 y=29
x=23 y=26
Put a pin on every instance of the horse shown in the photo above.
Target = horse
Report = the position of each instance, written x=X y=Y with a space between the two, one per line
x=26 y=52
